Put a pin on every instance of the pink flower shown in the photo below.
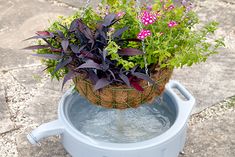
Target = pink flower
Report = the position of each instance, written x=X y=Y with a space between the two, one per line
x=150 y=8
x=172 y=24
x=143 y=34
x=148 y=18
x=171 y=7
x=120 y=14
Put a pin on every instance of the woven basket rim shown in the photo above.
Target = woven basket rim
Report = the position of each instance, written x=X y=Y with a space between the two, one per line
x=122 y=87
x=106 y=97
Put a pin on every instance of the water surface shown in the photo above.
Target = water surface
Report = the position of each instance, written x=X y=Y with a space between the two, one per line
x=121 y=126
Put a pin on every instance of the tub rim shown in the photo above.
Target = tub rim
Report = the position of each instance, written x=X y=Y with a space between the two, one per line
x=183 y=110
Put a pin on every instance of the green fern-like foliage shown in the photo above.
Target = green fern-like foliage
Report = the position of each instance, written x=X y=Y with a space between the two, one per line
x=119 y=41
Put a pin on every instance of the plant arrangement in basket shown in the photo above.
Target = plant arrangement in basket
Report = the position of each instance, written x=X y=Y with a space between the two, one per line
x=122 y=54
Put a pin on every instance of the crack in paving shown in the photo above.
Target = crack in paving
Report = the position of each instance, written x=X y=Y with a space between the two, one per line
x=11 y=130
x=13 y=116
x=15 y=93
x=7 y=100
x=228 y=2
x=17 y=80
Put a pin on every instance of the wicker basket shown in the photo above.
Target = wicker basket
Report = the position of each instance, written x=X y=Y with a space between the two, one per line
x=123 y=97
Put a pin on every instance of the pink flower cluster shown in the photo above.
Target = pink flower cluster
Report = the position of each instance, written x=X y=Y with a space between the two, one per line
x=148 y=18
x=143 y=34
x=172 y=24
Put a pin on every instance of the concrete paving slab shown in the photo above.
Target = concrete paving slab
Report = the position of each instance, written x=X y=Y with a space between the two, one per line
x=73 y=3
x=229 y=1
x=40 y=109
x=7 y=146
x=20 y=19
x=5 y=122
x=43 y=106
x=10 y=59
x=31 y=104
x=50 y=147
x=35 y=77
x=213 y=137
x=213 y=81
x=210 y=82
x=30 y=76
x=78 y=4
x=33 y=99
x=30 y=111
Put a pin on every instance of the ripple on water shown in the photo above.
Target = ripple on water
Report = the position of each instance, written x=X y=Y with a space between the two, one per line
x=121 y=126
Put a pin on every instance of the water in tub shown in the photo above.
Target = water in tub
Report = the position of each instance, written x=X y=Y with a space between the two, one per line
x=121 y=126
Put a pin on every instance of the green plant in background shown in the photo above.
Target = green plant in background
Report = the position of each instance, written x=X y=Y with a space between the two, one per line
x=169 y=45
x=106 y=43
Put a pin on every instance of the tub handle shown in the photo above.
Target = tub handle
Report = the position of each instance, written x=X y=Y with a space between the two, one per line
x=44 y=131
x=175 y=84
x=190 y=100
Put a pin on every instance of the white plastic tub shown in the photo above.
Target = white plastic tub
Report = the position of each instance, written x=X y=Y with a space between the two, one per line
x=168 y=144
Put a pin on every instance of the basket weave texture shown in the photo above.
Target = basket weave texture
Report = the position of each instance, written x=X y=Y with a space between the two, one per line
x=122 y=96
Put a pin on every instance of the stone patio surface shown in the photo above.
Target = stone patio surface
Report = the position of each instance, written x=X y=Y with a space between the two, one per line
x=28 y=98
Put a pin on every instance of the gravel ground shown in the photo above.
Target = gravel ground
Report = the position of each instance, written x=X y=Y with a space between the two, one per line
x=218 y=110
x=211 y=132
x=19 y=98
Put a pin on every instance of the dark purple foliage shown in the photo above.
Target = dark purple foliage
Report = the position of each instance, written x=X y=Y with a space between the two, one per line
x=87 y=55
x=49 y=56
x=36 y=47
x=65 y=44
x=101 y=83
x=76 y=48
x=143 y=76
x=109 y=19
x=104 y=53
x=119 y=32
x=125 y=79
x=62 y=64
x=60 y=34
x=90 y=64
x=70 y=75
x=92 y=76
